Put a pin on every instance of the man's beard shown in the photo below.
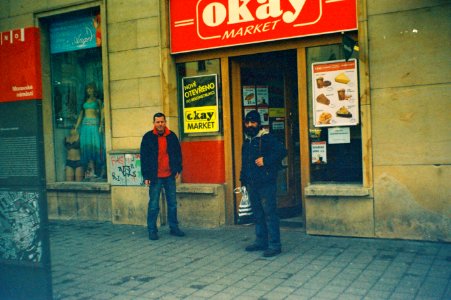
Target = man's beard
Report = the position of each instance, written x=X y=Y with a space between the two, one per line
x=251 y=131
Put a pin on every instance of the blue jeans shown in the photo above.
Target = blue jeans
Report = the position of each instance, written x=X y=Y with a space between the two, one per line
x=153 y=209
x=267 y=224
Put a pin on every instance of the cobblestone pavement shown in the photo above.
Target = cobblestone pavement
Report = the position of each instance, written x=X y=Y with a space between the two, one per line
x=104 y=261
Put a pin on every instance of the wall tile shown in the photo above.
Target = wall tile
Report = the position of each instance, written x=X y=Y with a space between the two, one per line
x=25 y=6
x=52 y=204
x=148 y=32
x=131 y=122
x=128 y=142
x=124 y=93
x=376 y=7
x=122 y=36
x=150 y=91
x=87 y=206
x=411 y=125
x=413 y=202
x=124 y=10
x=104 y=207
x=342 y=216
x=406 y=50
x=135 y=63
x=129 y=205
x=67 y=205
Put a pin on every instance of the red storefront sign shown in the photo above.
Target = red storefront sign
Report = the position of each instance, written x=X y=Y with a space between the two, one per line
x=206 y=24
x=20 y=65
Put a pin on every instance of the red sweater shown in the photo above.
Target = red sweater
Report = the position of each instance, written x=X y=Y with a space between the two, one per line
x=163 y=158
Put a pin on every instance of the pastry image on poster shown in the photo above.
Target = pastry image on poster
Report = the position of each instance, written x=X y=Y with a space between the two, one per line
x=335 y=93
x=249 y=95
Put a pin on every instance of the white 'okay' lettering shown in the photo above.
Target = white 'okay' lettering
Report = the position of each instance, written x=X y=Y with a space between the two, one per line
x=215 y=13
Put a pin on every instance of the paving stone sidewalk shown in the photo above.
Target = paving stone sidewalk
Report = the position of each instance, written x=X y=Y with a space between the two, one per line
x=104 y=261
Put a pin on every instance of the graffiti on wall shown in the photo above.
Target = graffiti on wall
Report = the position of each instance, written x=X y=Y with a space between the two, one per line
x=126 y=169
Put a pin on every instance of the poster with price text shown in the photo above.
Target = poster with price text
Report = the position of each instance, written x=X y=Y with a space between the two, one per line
x=335 y=93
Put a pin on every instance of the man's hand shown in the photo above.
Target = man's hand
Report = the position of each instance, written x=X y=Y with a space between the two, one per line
x=177 y=175
x=147 y=182
x=259 y=161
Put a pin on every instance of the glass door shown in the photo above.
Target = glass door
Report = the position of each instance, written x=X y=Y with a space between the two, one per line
x=268 y=83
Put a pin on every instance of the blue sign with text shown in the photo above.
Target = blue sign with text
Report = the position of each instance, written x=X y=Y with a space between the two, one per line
x=73 y=34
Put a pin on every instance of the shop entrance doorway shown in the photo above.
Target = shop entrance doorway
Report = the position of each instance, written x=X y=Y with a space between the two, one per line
x=268 y=82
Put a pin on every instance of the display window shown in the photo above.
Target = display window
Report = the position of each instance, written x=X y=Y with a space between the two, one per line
x=77 y=95
x=333 y=110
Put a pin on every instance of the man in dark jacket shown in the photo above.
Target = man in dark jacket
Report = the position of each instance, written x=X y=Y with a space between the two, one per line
x=261 y=157
x=161 y=165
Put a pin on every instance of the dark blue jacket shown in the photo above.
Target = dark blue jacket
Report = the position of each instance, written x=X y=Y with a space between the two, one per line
x=272 y=150
x=149 y=155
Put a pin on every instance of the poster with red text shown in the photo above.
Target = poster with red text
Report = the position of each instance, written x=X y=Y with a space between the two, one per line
x=335 y=93
x=20 y=65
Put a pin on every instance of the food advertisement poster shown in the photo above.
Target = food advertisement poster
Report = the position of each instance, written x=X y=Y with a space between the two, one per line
x=262 y=95
x=263 y=103
x=335 y=93
x=249 y=97
x=319 y=152
x=200 y=104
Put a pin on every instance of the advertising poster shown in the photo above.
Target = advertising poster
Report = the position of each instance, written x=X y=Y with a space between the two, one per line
x=20 y=65
x=262 y=95
x=75 y=34
x=263 y=103
x=249 y=96
x=319 y=152
x=200 y=104
x=335 y=93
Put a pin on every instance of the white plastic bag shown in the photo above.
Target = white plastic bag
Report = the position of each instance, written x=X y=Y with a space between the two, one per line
x=245 y=208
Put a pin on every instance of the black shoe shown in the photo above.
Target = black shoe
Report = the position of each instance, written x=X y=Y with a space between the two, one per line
x=271 y=252
x=153 y=236
x=176 y=232
x=255 y=247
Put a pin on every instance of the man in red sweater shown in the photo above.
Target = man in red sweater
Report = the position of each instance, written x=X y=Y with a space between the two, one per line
x=161 y=165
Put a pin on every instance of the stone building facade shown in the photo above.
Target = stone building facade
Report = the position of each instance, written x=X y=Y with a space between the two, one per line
x=404 y=77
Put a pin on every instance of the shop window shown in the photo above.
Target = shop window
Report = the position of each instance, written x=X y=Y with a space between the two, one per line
x=199 y=91
x=333 y=109
x=77 y=95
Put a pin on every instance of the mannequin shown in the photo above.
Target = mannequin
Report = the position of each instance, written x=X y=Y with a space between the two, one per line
x=90 y=124
x=74 y=166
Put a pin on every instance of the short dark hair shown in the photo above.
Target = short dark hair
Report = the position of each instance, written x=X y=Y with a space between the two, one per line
x=159 y=115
